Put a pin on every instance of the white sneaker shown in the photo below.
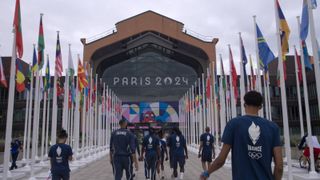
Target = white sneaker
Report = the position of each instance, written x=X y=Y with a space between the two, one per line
x=181 y=175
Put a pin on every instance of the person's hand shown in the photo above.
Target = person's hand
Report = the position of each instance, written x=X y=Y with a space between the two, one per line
x=199 y=155
x=204 y=175
x=187 y=156
x=136 y=166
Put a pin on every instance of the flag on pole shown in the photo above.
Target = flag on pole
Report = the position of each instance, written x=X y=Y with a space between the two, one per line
x=304 y=26
x=244 y=62
x=234 y=75
x=58 y=62
x=18 y=29
x=82 y=80
x=47 y=79
x=3 y=80
x=224 y=84
x=28 y=79
x=20 y=78
x=34 y=61
x=265 y=54
x=41 y=45
x=284 y=31
x=299 y=65
x=307 y=61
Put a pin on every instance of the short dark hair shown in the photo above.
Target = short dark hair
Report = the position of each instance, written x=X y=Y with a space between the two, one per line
x=207 y=129
x=63 y=134
x=122 y=121
x=253 y=98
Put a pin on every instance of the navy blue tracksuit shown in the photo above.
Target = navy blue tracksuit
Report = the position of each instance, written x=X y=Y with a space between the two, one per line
x=176 y=143
x=122 y=146
x=151 y=145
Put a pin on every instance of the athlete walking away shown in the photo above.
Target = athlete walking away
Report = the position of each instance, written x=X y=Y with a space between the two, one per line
x=163 y=151
x=150 y=147
x=179 y=151
x=254 y=142
x=206 y=150
x=60 y=154
x=122 y=146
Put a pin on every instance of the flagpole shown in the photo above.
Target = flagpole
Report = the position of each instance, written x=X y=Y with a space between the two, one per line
x=242 y=84
x=222 y=109
x=258 y=73
x=6 y=172
x=30 y=119
x=283 y=96
x=200 y=117
x=305 y=91
x=266 y=107
x=213 y=100
x=83 y=122
x=268 y=94
x=204 y=107
x=25 y=127
x=96 y=117
x=299 y=95
x=77 y=117
x=48 y=119
x=43 y=123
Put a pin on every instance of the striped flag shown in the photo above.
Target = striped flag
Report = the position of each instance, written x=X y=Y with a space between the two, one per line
x=299 y=65
x=58 y=62
x=18 y=29
x=284 y=31
x=20 y=78
x=3 y=80
x=41 y=45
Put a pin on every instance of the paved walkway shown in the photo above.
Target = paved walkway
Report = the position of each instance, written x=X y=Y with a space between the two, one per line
x=102 y=170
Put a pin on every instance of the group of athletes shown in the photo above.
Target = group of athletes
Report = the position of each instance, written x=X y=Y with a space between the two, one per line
x=124 y=145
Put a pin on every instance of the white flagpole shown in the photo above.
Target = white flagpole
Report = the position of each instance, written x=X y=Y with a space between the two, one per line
x=258 y=73
x=77 y=118
x=299 y=95
x=191 y=115
x=47 y=122
x=213 y=101
x=96 y=116
x=65 y=101
x=35 y=124
x=222 y=109
x=104 y=127
x=25 y=128
x=283 y=96
x=29 y=121
x=200 y=117
x=269 y=98
x=266 y=107
x=9 y=121
x=83 y=124
x=43 y=123
x=305 y=87
x=54 y=108
x=242 y=84
x=204 y=107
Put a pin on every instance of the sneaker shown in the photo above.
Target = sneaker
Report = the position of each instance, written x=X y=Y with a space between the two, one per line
x=181 y=175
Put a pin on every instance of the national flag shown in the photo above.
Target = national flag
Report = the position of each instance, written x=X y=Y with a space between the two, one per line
x=224 y=84
x=299 y=65
x=28 y=79
x=58 y=62
x=70 y=63
x=41 y=45
x=307 y=61
x=82 y=80
x=244 y=62
x=208 y=86
x=265 y=54
x=3 y=80
x=284 y=31
x=20 y=78
x=304 y=26
x=18 y=29
x=233 y=74
x=47 y=79
x=34 y=61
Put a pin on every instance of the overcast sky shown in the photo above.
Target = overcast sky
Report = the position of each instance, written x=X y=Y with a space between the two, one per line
x=77 y=19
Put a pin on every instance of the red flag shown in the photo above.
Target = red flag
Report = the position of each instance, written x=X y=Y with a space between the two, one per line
x=18 y=29
x=208 y=87
x=299 y=65
x=234 y=75
x=3 y=80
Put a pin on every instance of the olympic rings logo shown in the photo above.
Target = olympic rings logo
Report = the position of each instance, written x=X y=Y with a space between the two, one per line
x=255 y=155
